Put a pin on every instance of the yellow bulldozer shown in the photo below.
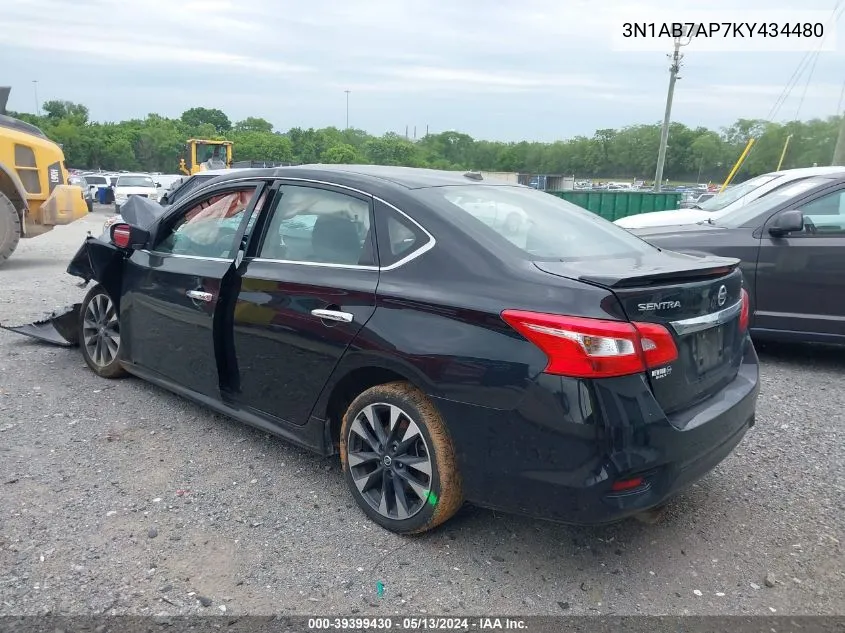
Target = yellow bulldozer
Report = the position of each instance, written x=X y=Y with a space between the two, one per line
x=34 y=194
x=201 y=155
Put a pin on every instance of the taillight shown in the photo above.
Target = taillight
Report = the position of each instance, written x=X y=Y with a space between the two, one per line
x=745 y=310
x=121 y=235
x=594 y=348
x=627 y=484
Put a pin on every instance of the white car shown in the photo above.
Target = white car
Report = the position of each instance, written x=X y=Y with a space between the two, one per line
x=167 y=181
x=133 y=185
x=727 y=201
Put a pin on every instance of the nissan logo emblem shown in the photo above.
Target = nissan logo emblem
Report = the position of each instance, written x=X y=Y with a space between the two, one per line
x=722 y=296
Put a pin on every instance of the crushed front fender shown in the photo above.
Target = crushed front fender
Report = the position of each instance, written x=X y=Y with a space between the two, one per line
x=59 y=328
x=95 y=260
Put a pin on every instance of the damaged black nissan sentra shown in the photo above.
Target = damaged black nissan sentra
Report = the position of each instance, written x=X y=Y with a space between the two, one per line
x=452 y=338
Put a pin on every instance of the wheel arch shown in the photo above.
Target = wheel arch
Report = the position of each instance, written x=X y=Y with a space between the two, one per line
x=355 y=374
x=12 y=187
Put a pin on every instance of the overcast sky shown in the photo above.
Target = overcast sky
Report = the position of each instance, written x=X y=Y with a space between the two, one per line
x=503 y=70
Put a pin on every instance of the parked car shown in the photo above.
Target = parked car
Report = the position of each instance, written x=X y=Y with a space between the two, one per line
x=727 y=201
x=133 y=185
x=792 y=246
x=167 y=181
x=180 y=189
x=89 y=192
x=585 y=376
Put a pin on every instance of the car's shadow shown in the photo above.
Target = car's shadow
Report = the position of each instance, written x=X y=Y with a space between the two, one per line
x=808 y=355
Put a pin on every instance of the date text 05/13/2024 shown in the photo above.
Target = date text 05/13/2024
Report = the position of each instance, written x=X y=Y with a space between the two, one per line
x=416 y=623
x=813 y=30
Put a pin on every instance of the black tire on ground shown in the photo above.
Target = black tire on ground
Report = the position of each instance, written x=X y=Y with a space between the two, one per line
x=10 y=228
x=99 y=326
x=432 y=499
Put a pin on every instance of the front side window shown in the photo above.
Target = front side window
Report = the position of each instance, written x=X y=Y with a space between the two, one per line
x=208 y=228
x=540 y=225
x=319 y=226
x=825 y=215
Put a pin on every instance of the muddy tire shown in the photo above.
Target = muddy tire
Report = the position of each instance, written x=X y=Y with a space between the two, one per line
x=10 y=228
x=398 y=459
x=99 y=334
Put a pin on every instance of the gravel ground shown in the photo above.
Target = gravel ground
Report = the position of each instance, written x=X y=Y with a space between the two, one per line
x=116 y=496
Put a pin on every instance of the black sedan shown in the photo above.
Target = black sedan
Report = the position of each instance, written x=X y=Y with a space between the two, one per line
x=452 y=339
x=792 y=246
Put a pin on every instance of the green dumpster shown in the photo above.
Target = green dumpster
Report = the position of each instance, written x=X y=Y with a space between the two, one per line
x=612 y=205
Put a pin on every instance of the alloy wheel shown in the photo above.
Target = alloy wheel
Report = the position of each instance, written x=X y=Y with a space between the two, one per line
x=101 y=330
x=390 y=461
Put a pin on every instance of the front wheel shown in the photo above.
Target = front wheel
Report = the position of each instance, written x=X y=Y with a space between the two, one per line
x=99 y=334
x=398 y=459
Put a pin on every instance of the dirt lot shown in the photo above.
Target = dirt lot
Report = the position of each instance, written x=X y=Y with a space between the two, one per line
x=117 y=496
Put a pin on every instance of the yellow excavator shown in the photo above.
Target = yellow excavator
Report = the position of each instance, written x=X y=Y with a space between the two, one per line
x=34 y=194
x=201 y=155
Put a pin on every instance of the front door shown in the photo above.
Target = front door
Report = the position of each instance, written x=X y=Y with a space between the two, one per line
x=302 y=299
x=171 y=291
x=801 y=276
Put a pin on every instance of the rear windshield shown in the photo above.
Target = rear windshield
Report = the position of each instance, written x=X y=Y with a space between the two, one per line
x=96 y=180
x=540 y=225
x=135 y=181
x=729 y=196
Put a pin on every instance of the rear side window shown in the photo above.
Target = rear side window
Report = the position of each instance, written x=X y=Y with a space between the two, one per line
x=398 y=237
x=319 y=226
x=538 y=225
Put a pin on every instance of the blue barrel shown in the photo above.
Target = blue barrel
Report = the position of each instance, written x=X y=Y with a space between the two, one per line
x=101 y=195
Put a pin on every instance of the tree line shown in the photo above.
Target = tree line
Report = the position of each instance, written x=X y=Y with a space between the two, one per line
x=155 y=143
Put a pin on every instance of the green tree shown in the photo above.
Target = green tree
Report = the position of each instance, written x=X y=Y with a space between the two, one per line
x=195 y=117
x=340 y=154
x=253 y=124
x=56 y=110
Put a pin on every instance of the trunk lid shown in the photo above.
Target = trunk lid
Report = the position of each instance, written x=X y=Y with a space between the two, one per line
x=696 y=298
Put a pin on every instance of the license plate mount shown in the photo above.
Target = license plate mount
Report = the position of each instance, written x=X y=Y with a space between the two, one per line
x=708 y=348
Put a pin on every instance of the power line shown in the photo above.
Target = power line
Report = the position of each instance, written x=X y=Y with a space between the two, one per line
x=805 y=61
x=807 y=85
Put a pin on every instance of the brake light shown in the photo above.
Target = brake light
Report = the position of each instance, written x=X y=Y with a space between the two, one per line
x=594 y=348
x=626 y=484
x=121 y=235
x=745 y=310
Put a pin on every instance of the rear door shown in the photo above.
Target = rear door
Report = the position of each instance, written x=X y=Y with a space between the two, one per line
x=171 y=292
x=305 y=291
x=801 y=276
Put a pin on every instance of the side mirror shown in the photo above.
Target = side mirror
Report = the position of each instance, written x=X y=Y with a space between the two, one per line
x=128 y=237
x=787 y=222
x=158 y=185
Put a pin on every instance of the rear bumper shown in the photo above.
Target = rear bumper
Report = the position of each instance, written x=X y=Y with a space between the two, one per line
x=556 y=455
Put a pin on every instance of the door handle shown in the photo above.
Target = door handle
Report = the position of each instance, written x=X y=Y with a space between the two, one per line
x=199 y=295
x=333 y=315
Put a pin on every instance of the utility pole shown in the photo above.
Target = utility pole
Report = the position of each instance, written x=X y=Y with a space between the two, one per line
x=664 y=133
x=347 y=108
x=839 y=149
x=37 y=102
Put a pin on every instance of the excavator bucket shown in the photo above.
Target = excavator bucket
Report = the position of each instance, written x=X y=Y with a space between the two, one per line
x=59 y=328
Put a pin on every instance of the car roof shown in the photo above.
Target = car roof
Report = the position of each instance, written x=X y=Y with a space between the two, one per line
x=802 y=172
x=376 y=175
x=134 y=174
